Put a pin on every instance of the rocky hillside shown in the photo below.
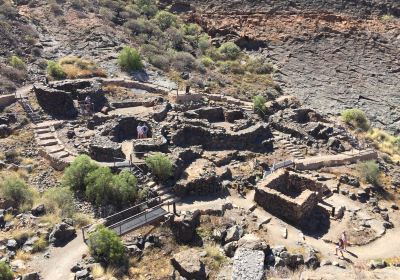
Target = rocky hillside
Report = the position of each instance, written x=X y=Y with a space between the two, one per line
x=333 y=56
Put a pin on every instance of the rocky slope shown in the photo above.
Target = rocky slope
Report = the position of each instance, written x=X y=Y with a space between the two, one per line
x=332 y=55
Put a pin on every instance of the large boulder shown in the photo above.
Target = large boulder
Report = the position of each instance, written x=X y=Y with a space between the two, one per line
x=184 y=226
x=233 y=233
x=61 y=234
x=31 y=276
x=5 y=131
x=39 y=210
x=189 y=264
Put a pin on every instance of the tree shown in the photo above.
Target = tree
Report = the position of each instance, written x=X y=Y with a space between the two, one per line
x=99 y=186
x=160 y=165
x=16 y=190
x=129 y=59
x=75 y=174
x=5 y=272
x=106 y=247
x=125 y=188
x=355 y=118
x=259 y=105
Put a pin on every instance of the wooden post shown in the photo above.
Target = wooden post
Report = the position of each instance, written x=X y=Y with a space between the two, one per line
x=333 y=211
x=174 y=207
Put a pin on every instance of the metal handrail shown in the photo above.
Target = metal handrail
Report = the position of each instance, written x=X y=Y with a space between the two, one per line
x=133 y=207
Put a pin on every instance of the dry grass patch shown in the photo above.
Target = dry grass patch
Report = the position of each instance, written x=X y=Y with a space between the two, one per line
x=76 y=68
x=153 y=265
x=385 y=142
x=214 y=258
x=23 y=256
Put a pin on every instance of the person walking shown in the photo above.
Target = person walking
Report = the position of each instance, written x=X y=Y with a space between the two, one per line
x=340 y=247
x=345 y=241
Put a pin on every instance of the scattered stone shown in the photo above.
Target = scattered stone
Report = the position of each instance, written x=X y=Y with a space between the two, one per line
x=189 y=265
x=394 y=207
x=230 y=248
x=39 y=210
x=284 y=233
x=233 y=233
x=184 y=226
x=12 y=245
x=62 y=233
x=31 y=276
x=377 y=264
x=82 y=274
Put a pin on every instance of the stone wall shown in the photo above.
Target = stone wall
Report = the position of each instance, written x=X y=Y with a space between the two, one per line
x=6 y=100
x=254 y=138
x=212 y=114
x=289 y=195
x=56 y=103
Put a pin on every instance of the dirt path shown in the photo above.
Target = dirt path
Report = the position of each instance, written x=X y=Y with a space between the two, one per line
x=23 y=91
x=61 y=260
x=384 y=247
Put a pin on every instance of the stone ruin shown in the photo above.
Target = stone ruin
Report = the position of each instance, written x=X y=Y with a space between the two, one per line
x=290 y=195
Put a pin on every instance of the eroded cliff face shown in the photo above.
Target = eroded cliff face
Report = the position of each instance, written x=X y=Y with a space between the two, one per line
x=331 y=54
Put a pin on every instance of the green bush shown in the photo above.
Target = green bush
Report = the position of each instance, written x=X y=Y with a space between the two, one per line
x=17 y=62
x=147 y=7
x=207 y=61
x=355 y=118
x=5 y=272
x=16 y=190
x=160 y=165
x=59 y=200
x=369 y=172
x=166 y=20
x=75 y=174
x=106 y=247
x=259 y=104
x=129 y=59
x=125 y=189
x=229 y=50
x=99 y=185
x=55 y=70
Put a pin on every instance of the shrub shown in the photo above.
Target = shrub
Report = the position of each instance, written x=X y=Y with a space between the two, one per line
x=81 y=220
x=355 y=118
x=259 y=66
x=204 y=43
x=17 y=62
x=75 y=174
x=106 y=13
x=183 y=61
x=166 y=20
x=15 y=189
x=160 y=61
x=369 y=172
x=137 y=26
x=207 y=61
x=259 y=104
x=229 y=50
x=99 y=183
x=124 y=188
x=160 y=165
x=129 y=59
x=40 y=244
x=56 y=9
x=234 y=67
x=384 y=141
x=147 y=7
x=55 y=70
x=59 y=201
x=106 y=247
x=5 y=272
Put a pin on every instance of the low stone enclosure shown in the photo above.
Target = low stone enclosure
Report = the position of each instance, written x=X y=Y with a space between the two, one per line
x=290 y=195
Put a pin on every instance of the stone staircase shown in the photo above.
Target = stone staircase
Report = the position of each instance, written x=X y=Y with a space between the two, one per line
x=165 y=193
x=26 y=105
x=50 y=146
x=283 y=140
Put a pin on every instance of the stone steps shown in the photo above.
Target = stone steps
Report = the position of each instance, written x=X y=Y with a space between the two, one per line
x=46 y=136
x=49 y=142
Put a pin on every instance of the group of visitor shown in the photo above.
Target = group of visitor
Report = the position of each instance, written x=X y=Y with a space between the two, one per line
x=142 y=131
